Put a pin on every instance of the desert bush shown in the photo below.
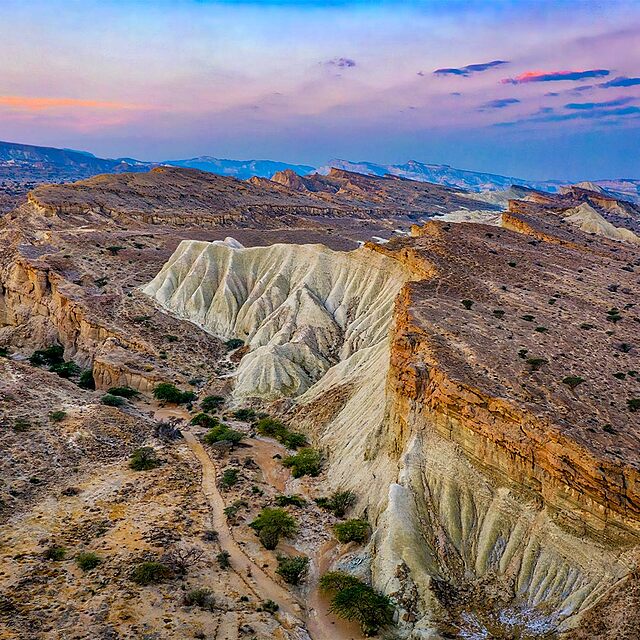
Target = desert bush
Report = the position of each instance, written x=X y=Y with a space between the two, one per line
x=244 y=414
x=352 y=531
x=541 y=329
x=20 y=425
x=613 y=315
x=86 y=380
x=272 y=428
x=144 y=459
x=536 y=363
x=151 y=573
x=112 y=401
x=467 y=304
x=222 y=433
x=55 y=553
x=269 y=606
x=65 y=369
x=292 y=570
x=167 y=392
x=307 y=462
x=229 y=478
x=290 y=500
x=88 y=560
x=4 y=352
x=338 y=502
x=272 y=524
x=201 y=598
x=498 y=313
x=620 y=375
x=57 y=416
x=49 y=356
x=572 y=381
x=352 y=599
x=633 y=404
x=204 y=420
x=123 y=392
x=212 y=403
x=234 y=343
x=223 y=559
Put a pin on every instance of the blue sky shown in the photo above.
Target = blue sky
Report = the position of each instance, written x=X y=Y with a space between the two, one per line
x=536 y=89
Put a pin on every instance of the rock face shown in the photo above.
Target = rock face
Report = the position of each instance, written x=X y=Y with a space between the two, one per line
x=485 y=416
x=302 y=309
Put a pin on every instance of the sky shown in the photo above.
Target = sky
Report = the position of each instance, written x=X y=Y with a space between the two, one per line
x=530 y=88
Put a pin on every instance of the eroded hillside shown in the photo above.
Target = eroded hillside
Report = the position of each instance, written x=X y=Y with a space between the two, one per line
x=476 y=387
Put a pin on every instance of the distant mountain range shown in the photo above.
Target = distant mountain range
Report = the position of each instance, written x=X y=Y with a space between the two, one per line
x=27 y=163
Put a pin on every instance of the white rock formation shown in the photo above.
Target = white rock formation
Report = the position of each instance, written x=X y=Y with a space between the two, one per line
x=302 y=309
x=587 y=219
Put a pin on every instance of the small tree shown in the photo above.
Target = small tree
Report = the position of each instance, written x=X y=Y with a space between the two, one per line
x=88 y=560
x=307 y=462
x=352 y=531
x=144 y=459
x=292 y=570
x=167 y=392
x=272 y=524
x=572 y=381
x=204 y=420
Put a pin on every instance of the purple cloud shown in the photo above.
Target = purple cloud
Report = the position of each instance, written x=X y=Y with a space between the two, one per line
x=343 y=63
x=618 y=102
x=469 y=69
x=620 y=81
x=498 y=104
x=588 y=114
x=551 y=76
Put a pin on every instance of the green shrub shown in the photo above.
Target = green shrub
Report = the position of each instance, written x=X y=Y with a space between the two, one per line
x=633 y=404
x=223 y=559
x=86 y=380
x=272 y=524
x=528 y=318
x=292 y=570
x=613 y=315
x=234 y=343
x=112 y=401
x=229 y=478
x=338 y=502
x=272 y=428
x=65 y=369
x=536 y=363
x=20 y=425
x=292 y=500
x=269 y=606
x=498 y=313
x=167 y=392
x=88 y=560
x=222 y=433
x=244 y=414
x=467 y=304
x=352 y=531
x=57 y=416
x=307 y=462
x=541 y=329
x=572 y=381
x=620 y=375
x=144 y=459
x=352 y=599
x=55 y=553
x=204 y=420
x=212 y=403
x=123 y=392
x=4 y=352
x=50 y=356
x=151 y=573
x=201 y=598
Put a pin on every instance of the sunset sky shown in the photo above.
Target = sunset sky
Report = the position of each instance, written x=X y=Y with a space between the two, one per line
x=534 y=89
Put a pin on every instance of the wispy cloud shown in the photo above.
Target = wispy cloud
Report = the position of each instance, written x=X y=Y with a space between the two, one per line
x=500 y=103
x=469 y=69
x=551 y=76
x=620 y=81
x=27 y=103
x=343 y=63
x=618 y=102
x=584 y=114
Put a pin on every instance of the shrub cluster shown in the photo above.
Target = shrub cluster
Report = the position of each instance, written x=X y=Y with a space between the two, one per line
x=307 y=462
x=151 y=573
x=338 y=502
x=112 y=401
x=88 y=560
x=123 y=392
x=212 y=403
x=292 y=570
x=272 y=524
x=352 y=531
x=352 y=599
x=144 y=459
x=223 y=433
x=272 y=428
x=201 y=598
x=167 y=392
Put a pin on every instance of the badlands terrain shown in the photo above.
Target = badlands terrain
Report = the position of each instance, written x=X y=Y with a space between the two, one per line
x=471 y=390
